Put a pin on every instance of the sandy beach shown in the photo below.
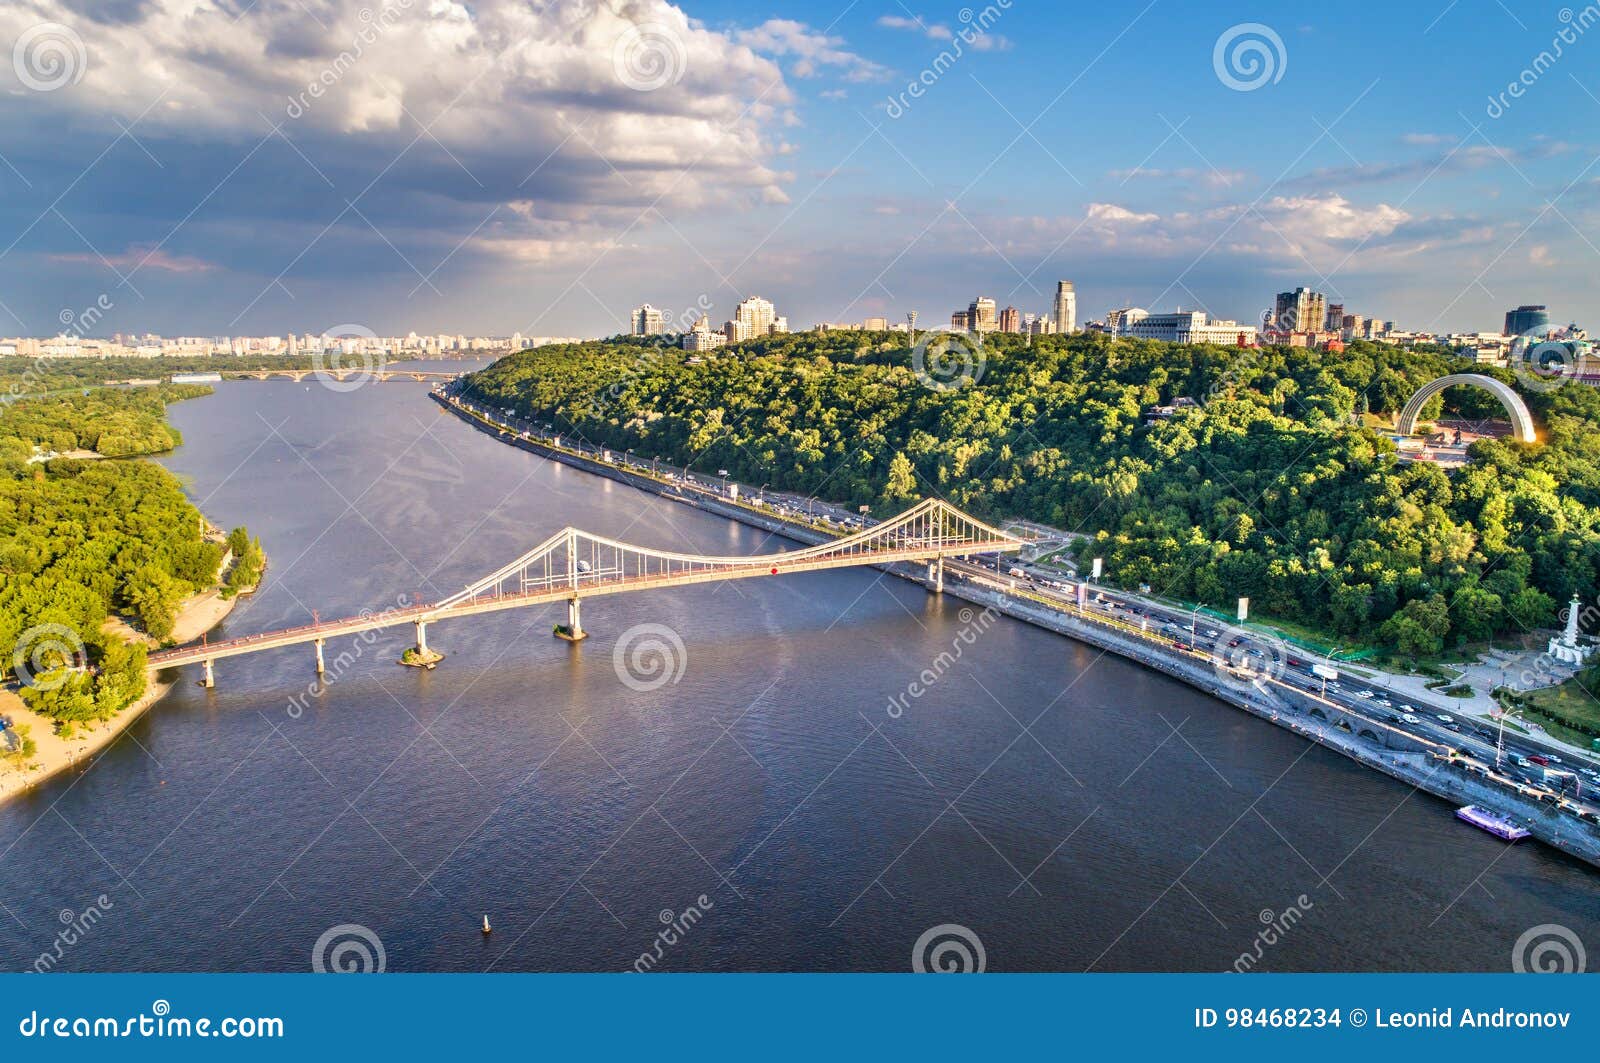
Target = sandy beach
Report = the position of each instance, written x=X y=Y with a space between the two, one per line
x=198 y=614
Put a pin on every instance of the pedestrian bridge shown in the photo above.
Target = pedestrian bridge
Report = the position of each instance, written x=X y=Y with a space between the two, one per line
x=340 y=375
x=573 y=564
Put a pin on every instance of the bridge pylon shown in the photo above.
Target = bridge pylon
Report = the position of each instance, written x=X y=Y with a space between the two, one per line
x=573 y=630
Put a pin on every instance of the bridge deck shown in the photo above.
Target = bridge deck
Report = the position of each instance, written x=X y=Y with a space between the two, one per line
x=587 y=586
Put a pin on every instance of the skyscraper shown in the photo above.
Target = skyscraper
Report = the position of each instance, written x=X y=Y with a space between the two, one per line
x=1527 y=318
x=1301 y=310
x=646 y=321
x=756 y=315
x=1011 y=319
x=981 y=315
x=1066 y=307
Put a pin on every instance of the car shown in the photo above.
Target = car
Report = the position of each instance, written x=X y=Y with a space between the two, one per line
x=1409 y=718
x=1442 y=718
x=1552 y=758
x=1384 y=702
x=1363 y=693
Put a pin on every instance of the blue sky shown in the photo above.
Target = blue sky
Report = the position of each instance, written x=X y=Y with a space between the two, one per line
x=501 y=166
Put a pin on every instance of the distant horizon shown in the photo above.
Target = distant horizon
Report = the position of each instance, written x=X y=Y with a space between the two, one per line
x=356 y=170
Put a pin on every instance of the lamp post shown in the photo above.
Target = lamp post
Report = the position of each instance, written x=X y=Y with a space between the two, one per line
x=1194 y=623
x=1500 y=739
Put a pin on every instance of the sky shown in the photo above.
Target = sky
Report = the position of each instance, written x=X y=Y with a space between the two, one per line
x=225 y=167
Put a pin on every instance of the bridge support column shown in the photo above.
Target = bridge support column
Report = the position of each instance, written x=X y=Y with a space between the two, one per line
x=936 y=575
x=572 y=630
x=418 y=656
x=210 y=680
x=321 y=668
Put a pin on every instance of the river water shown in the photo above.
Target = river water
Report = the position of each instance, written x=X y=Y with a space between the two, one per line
x=1070 y=810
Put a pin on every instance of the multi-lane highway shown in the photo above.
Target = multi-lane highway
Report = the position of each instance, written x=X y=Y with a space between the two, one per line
x=1534 y=765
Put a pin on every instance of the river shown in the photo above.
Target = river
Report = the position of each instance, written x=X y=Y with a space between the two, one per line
x=783 y=805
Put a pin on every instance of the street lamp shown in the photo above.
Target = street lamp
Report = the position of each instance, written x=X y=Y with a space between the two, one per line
x=1500 y=739
x=1194 y=622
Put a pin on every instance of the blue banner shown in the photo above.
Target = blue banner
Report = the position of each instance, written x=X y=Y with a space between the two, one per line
x=793 y=1016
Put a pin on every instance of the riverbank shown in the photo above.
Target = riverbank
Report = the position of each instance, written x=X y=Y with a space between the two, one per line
x=1420 y=763
x=198 y=614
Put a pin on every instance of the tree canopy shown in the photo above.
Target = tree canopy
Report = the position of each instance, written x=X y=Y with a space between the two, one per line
x=1269 y=486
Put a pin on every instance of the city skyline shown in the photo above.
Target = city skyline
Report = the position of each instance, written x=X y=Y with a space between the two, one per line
x=384 y=197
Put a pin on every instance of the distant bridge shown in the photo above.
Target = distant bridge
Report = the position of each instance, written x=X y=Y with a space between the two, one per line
x=572 y=565
x=341 y=375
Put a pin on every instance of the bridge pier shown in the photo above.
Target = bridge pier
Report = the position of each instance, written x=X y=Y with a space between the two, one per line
x=936 y=575
x=572 y=631
x=210 y=680
x=419 y=656
x=321 y=668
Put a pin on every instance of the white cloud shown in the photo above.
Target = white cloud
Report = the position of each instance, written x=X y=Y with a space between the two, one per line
x=567 y=101
x=935 y=31
x=811 y=50
x=1112 y=215
x=1330 y=217
x=975 y=37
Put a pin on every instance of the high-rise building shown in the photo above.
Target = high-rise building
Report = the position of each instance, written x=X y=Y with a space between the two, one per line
x=876 y=324
x=1011 y=319
x=981 y=315
x=757 y=316
x=1335 y=320
x=646 y=321
x=1066 y=307
x=960 y=321
x=1527 y=318
x=1301 y=310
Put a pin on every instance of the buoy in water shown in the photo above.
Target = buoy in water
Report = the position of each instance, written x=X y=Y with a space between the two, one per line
x=486 y=929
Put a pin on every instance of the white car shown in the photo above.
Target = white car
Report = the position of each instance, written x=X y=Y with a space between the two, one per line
x=1442 y=718
x=1408 y=718
x=1363 y=693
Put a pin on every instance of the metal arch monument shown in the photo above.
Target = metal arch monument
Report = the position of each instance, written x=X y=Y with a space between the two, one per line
x=1521 y=419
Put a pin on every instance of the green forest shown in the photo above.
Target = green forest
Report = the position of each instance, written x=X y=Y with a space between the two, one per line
x=1271 y=487
x=84 y=539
